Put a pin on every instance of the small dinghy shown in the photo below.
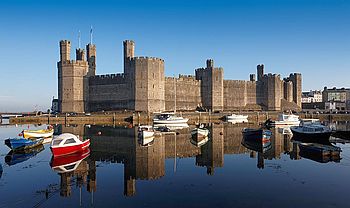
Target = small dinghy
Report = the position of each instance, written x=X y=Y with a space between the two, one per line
x=67 y=143
x=17 y=144
x=43 y=133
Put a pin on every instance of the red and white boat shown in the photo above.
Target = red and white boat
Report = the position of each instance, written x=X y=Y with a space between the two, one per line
x=68 y=143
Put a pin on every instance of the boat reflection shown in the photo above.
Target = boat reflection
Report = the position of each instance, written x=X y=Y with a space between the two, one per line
x=15 y=157
x=170 y=127
x=285 y=130
x=146 y=141
x=262 y=145
x=68 y=163
x=322 y=153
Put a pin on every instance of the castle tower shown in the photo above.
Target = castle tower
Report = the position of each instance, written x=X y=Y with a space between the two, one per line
x=210 y=63
x=80 y=54
x=129 y=52
x=260 y=71
x=72 y=82
x=297 y=89
x=273 y=92
x=147 y=83
x=65 y=46
x=288 y=90
x=91 y=58
x=212 y=86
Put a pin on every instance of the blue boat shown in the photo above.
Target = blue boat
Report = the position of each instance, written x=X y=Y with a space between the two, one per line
x=21 y=143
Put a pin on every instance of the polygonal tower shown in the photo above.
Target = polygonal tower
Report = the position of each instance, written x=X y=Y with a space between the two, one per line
x=72 y=83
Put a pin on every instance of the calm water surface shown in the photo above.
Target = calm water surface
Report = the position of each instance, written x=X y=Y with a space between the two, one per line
x=172 y=171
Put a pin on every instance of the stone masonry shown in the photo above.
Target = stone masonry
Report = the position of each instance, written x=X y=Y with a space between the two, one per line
x=143 y=86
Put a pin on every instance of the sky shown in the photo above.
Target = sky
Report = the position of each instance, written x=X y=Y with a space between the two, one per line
x=307 y=36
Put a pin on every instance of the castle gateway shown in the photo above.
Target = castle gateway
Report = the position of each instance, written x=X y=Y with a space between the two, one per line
x=144 y=87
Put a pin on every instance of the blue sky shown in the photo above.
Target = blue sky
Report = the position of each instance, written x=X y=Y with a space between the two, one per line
x=307 y=36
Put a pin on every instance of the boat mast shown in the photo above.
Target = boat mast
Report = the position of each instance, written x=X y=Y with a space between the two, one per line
x=174 y=94
x=79 y=39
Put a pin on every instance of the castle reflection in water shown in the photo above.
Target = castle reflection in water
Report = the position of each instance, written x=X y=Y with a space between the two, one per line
x=120 y=145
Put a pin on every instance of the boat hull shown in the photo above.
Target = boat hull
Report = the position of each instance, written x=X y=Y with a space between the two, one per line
x=256 y=135
x=66 y=150
x=22 y=144
x=175 y=121
x=322 y=137
x=37 y=133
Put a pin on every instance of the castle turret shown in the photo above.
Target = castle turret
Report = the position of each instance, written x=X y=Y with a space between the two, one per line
x=288 y=90
x=91 y=58
x=65 y=50
x=129 y=52
x=210 y=63
x=252 y=77
x=260 y=71
x=297 y=89
x=80 y=54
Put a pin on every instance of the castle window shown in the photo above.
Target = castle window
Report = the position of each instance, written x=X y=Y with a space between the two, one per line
x=153 y=86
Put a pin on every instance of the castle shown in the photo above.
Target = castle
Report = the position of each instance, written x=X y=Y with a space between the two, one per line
x=143 y=86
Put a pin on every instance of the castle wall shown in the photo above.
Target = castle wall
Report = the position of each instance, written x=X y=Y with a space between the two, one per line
x=234 y=94
x=188 y=93
x=108 y=92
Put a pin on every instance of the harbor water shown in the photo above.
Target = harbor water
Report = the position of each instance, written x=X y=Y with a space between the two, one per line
x=171 y=170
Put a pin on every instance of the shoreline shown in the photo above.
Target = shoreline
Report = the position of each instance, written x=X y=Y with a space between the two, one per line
x=126 y=118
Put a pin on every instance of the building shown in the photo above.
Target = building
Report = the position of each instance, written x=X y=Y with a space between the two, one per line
x=143 y=86
x=314 y=96
x=54 y=105
x=339 y=98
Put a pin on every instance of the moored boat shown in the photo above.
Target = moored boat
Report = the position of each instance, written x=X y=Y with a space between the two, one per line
x=42 y=133
x=285 y=120
x=169 y=118
x=67 y=143
x=256 y=134
x=311 y=131
x=234 y=118
x=17 y=144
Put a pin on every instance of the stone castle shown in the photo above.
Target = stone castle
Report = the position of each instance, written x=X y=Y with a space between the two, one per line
x=143 y=86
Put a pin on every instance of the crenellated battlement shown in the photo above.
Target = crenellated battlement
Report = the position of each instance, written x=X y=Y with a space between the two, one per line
x=270 y=75
x=74 y=62
x=145 y=58
x=108 y=79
